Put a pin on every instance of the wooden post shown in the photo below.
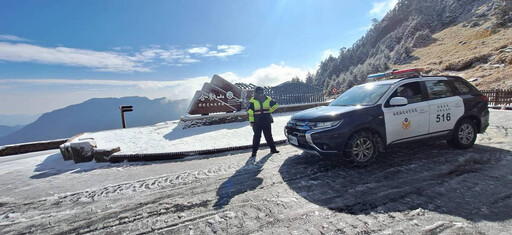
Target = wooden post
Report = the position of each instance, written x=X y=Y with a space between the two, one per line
x=125 y=108
x=122 y=119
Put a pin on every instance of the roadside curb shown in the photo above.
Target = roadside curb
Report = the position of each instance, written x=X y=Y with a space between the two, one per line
x=7 y=150
x=178 y=155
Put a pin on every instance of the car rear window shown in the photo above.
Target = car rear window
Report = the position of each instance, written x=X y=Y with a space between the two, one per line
x=465 y=88
x=462 y=88
x=438 y=89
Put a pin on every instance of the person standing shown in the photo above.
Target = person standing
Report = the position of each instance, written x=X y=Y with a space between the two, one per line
x=260 y=109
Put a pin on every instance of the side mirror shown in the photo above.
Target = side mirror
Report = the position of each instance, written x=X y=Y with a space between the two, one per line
x=398 y=101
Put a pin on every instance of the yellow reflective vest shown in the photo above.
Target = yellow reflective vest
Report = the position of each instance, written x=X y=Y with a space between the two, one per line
x=261 y=111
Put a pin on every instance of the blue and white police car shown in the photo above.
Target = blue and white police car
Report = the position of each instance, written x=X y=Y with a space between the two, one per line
x=404 y=106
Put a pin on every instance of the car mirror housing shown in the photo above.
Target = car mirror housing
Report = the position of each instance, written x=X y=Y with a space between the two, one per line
x=398 y=101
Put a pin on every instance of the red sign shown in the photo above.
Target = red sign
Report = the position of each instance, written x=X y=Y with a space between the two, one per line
x=334 y=90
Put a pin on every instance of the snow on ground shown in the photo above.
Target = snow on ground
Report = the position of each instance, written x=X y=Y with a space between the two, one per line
x=171 y=137
x=417 y=189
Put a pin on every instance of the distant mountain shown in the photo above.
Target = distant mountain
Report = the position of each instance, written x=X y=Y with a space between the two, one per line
x=17 y=119
x=96 y=115
x=5 y=130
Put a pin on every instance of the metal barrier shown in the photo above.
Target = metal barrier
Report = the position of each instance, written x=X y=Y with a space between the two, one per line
x=499 y=97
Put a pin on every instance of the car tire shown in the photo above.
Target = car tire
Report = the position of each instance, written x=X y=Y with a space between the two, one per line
x=361 y=148
x=464 y=135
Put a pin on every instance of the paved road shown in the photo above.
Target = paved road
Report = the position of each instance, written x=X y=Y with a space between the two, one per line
x=430 y=189
x=27 y=155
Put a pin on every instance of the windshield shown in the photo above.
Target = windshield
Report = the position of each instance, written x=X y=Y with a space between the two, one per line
x=364 y=95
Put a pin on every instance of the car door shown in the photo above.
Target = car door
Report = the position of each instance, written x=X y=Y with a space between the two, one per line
x=445 y=106
x=410 y=121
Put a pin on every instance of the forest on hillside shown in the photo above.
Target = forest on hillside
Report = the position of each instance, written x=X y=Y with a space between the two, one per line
x=409 y=26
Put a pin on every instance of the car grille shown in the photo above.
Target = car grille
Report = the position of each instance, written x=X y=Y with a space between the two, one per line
x=299 y=125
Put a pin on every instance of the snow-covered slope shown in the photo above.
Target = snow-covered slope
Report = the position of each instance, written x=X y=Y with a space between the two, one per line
x=96 y=115
x=171 y=137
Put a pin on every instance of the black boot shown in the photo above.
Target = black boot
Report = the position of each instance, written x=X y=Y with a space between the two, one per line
x=274 y=151
x=253 y=154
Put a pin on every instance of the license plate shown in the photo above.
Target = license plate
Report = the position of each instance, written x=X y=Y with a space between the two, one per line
x=293 y=140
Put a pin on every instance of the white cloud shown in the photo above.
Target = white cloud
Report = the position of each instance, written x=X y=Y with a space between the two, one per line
x=6 y=37
x=329 y=52
x=122 y=48
x=269 y=76
x=365 y=28
x=110 y=61
x=380 y=9
x=198 y=50
x=226 y=50
x=101 y=61
x=34 y=96
x=118 y=83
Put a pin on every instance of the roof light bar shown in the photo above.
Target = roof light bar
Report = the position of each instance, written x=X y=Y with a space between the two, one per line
x=396 y=74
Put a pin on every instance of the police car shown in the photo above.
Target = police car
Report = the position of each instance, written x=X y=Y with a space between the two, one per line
x=404 y=106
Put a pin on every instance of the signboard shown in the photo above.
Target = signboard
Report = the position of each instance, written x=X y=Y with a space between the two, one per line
x=218 y=96
x=334 y=90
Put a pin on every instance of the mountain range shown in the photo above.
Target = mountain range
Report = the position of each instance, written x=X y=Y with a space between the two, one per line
x=95 y=115
x=5 y=130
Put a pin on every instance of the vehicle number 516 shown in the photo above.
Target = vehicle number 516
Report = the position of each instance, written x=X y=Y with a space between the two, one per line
x=445 y=117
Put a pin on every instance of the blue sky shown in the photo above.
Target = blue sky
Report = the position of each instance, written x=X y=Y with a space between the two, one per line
x=57 y=53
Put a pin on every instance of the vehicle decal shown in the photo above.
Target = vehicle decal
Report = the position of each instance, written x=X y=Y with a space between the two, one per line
x=445 y=112
x=406 y=121
x=443 y=108
x=406 y=124
x=407 y=111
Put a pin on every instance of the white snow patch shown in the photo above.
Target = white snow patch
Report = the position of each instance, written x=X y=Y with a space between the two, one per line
x=170 y=137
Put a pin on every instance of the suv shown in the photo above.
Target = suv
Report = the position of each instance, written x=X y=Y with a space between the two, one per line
x=367 y=118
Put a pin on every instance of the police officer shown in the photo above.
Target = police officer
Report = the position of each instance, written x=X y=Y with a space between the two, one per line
x=260 y=108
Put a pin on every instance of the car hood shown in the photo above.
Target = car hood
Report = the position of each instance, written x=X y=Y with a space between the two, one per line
x=324 y=113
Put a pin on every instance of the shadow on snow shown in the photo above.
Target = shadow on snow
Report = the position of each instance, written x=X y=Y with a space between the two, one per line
x=55 y=165
x=242 y=181
x=474 y=184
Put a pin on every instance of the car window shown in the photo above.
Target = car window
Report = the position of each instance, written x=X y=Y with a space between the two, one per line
x=411 y=91
x=463 y=88
x=438 y=89
x=367 y=94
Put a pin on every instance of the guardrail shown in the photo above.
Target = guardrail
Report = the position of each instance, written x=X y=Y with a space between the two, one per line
x=30 y=147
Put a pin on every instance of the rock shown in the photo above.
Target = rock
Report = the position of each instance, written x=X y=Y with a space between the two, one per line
x=82 y=150
x=474 y=24
x=103 y=155
x=65 y=151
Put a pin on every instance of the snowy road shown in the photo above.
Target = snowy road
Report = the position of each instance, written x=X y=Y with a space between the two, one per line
x=431 y=189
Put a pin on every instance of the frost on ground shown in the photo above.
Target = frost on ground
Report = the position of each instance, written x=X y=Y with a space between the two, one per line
x=430 y=189
x=171 y=137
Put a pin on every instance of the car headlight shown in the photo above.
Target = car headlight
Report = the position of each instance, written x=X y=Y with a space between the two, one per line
x=322 y=125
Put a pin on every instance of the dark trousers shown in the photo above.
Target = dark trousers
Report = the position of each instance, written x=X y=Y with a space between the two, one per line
x=267 y=132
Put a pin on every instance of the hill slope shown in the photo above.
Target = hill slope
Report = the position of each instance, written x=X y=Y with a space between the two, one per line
x=441 y=35
x=96 y=115
x=5 y=130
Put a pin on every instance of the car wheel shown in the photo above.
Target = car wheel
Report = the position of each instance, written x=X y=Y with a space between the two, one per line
x=464 y=135
x=361 y=148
